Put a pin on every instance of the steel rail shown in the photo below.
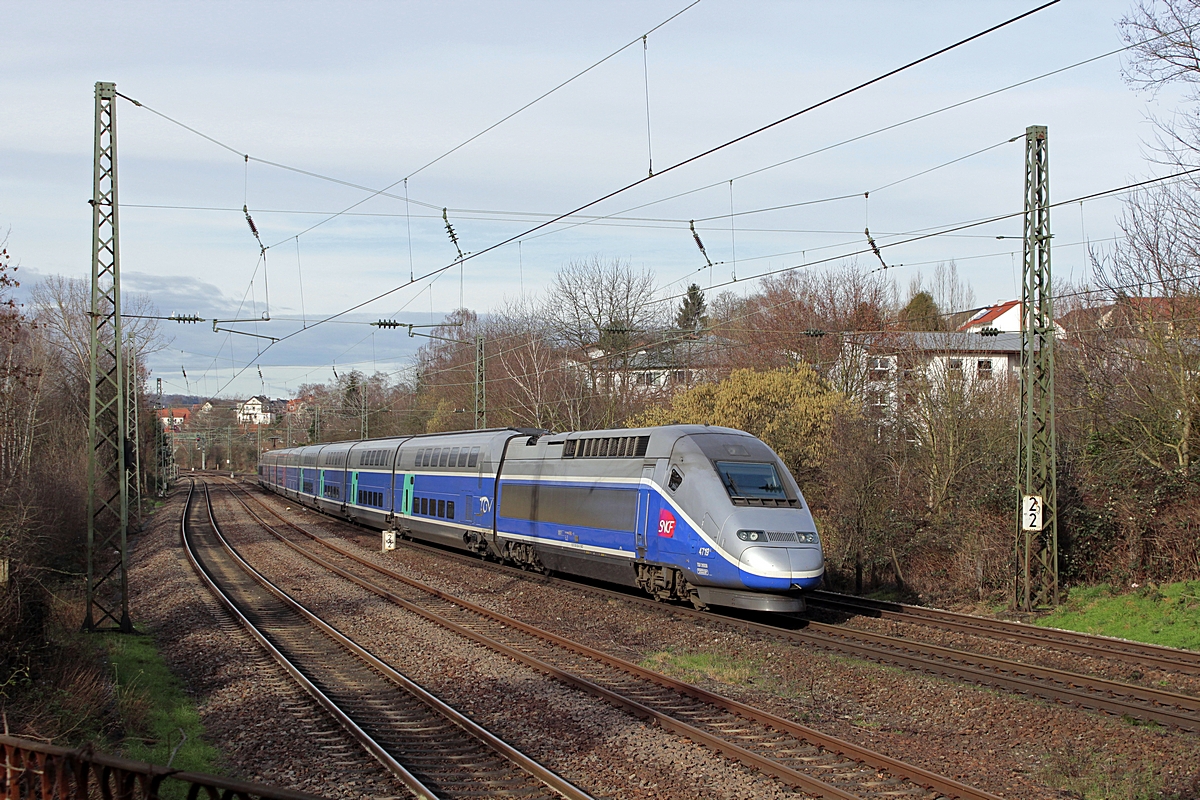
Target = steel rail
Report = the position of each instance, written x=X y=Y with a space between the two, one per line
x=1139 y=653
x=395 y=767
x=1058 y=686
x=859 y=754
x=552 y=781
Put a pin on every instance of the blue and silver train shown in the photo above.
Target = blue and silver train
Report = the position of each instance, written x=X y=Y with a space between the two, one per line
x=702 y=514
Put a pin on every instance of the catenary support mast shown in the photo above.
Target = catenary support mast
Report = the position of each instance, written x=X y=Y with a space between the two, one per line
x=1037 y=525
x=133 y=437
x=480 y=385
x=108 y=487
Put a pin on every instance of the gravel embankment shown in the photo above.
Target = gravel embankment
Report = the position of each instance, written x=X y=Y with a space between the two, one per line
x=267 y=729
x=1007 y=744
x=601 y=749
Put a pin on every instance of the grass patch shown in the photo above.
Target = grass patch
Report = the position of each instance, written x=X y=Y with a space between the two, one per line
x=693 y=667
x=1167 y=615
x=1097 y=776
x=156 y=714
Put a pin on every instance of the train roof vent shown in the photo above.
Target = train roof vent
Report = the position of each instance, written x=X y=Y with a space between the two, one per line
x=769 y=502
x=606 y=447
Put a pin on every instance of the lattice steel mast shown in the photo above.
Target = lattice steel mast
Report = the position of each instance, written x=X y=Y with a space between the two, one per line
x=161 y=481
x=480 y=385
x=108 y=487
x=133 y=438
x=1037 y=519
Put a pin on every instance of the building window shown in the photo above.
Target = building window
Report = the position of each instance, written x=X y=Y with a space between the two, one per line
x=955 y=364
x=983 y=369
x=880 y=368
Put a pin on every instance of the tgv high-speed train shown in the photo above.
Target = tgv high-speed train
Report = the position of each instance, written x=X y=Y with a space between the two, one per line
x=697 y=513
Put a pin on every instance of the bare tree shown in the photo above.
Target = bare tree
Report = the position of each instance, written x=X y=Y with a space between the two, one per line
x=61 y=307
x=530 y=380
x=1141 y=360
x=601 y=311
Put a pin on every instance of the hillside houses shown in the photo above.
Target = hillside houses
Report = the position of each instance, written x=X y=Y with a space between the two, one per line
x=258 y=410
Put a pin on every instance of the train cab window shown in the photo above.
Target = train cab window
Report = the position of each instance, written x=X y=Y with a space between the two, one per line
x=675 y=479
x=473 y=460
x=745 y=479
x=453 y=457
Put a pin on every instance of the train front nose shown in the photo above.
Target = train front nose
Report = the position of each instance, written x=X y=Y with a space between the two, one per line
x=780 y=565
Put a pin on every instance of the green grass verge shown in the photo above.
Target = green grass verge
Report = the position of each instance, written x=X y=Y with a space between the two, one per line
x=1167 y=615
x=694 y=667
x=1096 y=776
x=155 y=712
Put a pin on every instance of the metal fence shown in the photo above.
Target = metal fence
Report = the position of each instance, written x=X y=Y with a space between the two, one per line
x=36 y=771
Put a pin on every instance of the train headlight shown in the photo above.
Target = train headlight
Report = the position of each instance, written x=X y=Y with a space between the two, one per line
x=752 y=536
x=809 y=538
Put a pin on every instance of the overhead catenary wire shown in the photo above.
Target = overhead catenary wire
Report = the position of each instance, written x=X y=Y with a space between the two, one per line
x=949 y=230
x=965 y=226
x=899 y=242
x=712 y=150
x=428 y=373
x=717 y=148
x=728 y=345
x=501 y=121
x=880 y=130
x=247 y=157
x=875 y=132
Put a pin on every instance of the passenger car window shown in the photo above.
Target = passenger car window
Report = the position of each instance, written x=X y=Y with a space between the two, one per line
x=675 y=479
x=474 y=459
x=748 y=479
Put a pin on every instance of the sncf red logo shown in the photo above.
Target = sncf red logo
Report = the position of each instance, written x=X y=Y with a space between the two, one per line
x=666 y=523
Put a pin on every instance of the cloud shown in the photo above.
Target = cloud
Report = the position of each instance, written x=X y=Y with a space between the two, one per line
x=180 y=294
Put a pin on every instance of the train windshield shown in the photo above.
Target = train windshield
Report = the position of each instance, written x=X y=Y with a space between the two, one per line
x=748 y=479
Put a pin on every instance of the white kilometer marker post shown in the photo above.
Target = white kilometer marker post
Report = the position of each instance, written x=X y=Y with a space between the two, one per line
x=389 y=541
x=1031 y=512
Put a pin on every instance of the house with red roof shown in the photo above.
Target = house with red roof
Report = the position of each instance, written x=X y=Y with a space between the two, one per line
x=173 y=419
x=1004 y=317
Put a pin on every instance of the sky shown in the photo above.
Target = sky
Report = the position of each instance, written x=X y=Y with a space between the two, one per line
x=372 y=93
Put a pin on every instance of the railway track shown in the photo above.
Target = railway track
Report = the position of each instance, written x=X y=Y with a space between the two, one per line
x=1136 y=653
x=1171 y=709
x=795 y=754
x=435 y=751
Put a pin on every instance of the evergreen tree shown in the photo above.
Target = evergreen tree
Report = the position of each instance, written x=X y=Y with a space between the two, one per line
x=921 y=314
x=691 y=310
